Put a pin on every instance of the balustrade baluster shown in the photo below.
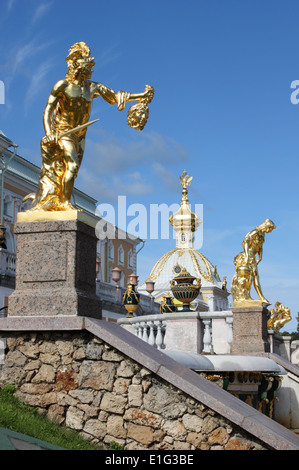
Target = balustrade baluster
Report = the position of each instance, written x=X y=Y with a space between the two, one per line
x=159 y=338
x=151 y=338
x=144 y=334
x=229 y=321
x=136 y=328
x=207 y=339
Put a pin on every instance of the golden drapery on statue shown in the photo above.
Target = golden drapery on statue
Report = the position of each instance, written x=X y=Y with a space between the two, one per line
x=246 y=264
x=66 y=119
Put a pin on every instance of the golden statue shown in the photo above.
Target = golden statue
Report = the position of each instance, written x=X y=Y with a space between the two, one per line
x=246 y=264
x=278 y=317
x=66 y=119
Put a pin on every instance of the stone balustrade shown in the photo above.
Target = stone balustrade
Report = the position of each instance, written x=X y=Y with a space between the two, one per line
x=198 y=332
x=7 y=263
x=111 y=293
x=150 y=328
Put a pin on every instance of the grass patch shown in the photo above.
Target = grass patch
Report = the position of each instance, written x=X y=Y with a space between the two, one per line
x=16 y=416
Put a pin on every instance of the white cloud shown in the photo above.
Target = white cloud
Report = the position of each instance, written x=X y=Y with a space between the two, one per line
x=10 y=4
x=37 y=82
x=168 y=177
x=110 y=164
x=110 y=154
x=40 y=11
x=135 y=184
x=20 y=56
x=108 y=55
x=107 y=190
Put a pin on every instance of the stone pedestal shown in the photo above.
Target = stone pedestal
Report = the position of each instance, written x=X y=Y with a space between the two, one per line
x=56 y=266
x=183 y=332
x=250 y=334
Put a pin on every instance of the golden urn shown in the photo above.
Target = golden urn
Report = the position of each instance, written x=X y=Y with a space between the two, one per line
x=131 y=298
x=184 y=290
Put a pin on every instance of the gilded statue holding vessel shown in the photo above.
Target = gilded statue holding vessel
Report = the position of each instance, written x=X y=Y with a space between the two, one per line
x=246 y=264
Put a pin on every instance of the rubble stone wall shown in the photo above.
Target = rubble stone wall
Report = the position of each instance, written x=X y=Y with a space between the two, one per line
x=83 y=382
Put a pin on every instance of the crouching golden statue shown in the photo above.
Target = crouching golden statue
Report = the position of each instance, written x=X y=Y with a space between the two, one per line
x=246 y=264
x=278 y=317
x=66 y=119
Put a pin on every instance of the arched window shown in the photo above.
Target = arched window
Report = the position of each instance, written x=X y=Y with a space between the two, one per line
x=110 y=251
x=122 y=279
x=120 y=255
x=130 y=259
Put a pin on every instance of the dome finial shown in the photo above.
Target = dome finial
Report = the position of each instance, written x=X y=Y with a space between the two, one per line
x=185 y=182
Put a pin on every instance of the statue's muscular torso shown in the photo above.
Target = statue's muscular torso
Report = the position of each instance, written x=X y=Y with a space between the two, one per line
x=71 y=104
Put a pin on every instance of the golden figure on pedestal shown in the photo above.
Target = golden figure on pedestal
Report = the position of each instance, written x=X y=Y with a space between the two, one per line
x=246 y=264
x=278 y=317
x=66 y=119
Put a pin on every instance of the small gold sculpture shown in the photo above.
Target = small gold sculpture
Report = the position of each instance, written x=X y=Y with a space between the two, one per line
x=246 y=264
x=167 y=305
x=185 y=180
x=278 y=317
x=66 y=119
x=184 y=290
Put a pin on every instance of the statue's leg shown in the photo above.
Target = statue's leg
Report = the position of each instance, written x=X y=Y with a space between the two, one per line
x=47 y=185
x=70 y=155
x=257 y=286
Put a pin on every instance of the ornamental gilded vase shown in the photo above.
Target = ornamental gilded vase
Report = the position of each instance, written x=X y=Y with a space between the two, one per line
x=184 y=290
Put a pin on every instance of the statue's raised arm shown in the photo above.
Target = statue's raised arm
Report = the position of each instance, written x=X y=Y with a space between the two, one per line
x=66 y=119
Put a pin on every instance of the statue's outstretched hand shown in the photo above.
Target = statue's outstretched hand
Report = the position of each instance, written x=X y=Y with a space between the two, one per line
x=122 y=97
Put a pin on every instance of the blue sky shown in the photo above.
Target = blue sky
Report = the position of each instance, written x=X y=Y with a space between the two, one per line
x=222 y=72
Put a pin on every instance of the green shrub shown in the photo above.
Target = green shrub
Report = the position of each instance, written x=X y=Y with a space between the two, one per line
x=21 y=418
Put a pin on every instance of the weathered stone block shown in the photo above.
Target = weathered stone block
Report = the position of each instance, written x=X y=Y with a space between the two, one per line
x=97 y=375
x=142 y=434
x=96 y=428
x=113 y=403
x=115 y=426
x=143 y=417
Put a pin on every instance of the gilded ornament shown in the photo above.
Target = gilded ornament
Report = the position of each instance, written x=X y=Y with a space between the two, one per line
x=184 y=290
x=278 y=317
x=131 y=298
x=138 y=113
x=246 y=264
x=167 y=305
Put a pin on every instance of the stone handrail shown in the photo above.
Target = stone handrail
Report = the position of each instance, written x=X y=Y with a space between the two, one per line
x=150 y=328
x=209 y=331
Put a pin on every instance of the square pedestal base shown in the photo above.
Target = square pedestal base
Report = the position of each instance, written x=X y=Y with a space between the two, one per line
x=250 y=334
x=55 y=269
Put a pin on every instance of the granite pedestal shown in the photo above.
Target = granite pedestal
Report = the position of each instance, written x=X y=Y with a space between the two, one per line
x=56 y=266
x=250 y=333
